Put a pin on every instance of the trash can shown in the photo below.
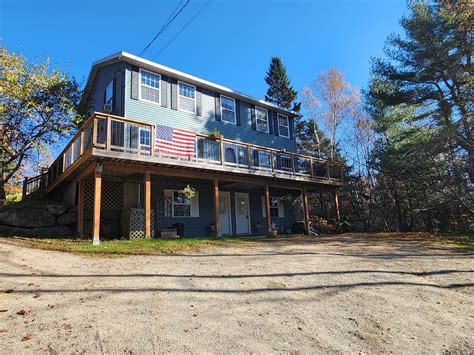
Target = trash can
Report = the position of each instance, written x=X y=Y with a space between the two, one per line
x=179 y=228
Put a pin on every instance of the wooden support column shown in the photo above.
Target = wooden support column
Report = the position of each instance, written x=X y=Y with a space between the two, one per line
x=96 y=210
x=267 y=210
x=336 y=205
x=147 y=204
x=306 y=210
x=217 y=222
x=80 y=208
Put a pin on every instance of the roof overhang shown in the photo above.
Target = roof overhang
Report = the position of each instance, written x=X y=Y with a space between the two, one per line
x=152 y=66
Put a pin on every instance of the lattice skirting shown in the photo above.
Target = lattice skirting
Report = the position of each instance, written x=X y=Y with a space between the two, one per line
x=136 y=223
x=112 y=195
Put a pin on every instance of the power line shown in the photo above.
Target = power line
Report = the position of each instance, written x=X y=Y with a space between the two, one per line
x=166 y=24
x=182 y=29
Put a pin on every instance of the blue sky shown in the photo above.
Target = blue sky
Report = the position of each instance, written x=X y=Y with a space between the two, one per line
x=230 y=43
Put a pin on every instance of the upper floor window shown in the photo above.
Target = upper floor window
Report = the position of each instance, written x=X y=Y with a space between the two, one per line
x=149 y=86
x=228 y=109
x=261 y=116
x=186 y=97
x=109 y=94
x=145 y=139
x=283 y=126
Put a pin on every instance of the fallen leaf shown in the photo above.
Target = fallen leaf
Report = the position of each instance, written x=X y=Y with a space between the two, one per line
x=9 y=290
x=300 y=328
x=22 y=312
x=26 y=337
x=36 y=295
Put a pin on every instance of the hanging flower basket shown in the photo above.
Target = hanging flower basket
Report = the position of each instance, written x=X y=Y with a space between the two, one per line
x=215 y=134
x=188 y=192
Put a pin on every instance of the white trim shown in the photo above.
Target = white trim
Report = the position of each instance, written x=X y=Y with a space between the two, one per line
x=288 y=125
x=235 y=110
x=249 y=224
x=256 y=120
x=135 y=60
x=195 y=93
x=148 y=86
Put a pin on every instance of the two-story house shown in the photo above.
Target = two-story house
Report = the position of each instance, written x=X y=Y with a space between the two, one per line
x=154 y=130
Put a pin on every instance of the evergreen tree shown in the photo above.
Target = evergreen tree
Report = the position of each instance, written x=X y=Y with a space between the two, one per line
x=280 y=91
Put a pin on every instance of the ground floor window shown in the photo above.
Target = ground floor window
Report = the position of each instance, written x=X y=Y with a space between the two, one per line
x=178 y=206
x=277 y=209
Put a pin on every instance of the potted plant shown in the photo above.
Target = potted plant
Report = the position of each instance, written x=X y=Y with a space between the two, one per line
x=215 y=134
x=187 y=192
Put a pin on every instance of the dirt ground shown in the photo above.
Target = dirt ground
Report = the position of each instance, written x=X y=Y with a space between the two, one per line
x=334 y=294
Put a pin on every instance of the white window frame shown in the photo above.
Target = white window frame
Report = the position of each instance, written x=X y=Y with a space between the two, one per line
x=173 y=203
x=287 y=126
x=151 y=87
x=235 y=109
x=256 y=120
x=140 y=130
x=195 y=89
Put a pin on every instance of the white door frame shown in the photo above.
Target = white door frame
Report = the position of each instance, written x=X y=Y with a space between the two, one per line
x=248 y=213
x=229 y=211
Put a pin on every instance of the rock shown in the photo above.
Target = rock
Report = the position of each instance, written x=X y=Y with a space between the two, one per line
x=27 y=218
x=67 y=218
x=56 y=209
x=55 y=231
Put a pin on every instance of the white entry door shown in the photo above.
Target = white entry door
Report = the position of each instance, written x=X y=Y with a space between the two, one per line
x=224 y=211
x=242 y=213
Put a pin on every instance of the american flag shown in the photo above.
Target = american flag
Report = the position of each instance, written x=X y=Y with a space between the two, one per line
x=174 y=142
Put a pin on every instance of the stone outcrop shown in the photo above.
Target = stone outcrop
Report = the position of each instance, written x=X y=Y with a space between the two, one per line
x=27 y=218
x=49 y=220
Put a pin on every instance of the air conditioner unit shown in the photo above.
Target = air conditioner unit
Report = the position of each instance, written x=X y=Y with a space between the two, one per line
x=107 y=108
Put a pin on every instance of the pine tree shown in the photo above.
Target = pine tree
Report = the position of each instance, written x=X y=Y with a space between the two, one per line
x=280 y=91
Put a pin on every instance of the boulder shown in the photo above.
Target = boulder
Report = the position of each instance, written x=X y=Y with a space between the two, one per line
x=27 y=218
x=67 y=218
x=56 y=209
x=54 y=231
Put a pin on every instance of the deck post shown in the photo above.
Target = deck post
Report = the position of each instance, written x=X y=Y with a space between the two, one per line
x=267 y=210
x=217 y=222
x=80 y=208
x=336 y=204
x=96 y=211
x=306 y=210
x=147 y=204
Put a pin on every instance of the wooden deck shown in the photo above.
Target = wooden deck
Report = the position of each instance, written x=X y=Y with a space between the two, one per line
x=120 y=140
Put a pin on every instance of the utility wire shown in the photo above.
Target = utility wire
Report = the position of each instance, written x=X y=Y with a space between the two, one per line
x=165 y=25
x=182 y=29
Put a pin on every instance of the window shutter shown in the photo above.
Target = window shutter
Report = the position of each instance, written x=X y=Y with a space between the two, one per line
x=275 y=120
x=168 y=203
x=292 y=127
x=198 y=101
x=218 y=106
x=135 y=82
x=195 y=205
x=253 y=117
x=270 y=122
x=174 y=94
x=281 y=209
x=237 y=112
x=264 y=212
x=114 y=96
x=164 y=91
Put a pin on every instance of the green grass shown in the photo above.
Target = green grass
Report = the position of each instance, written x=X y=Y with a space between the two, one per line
x=459 y=242
x=134 y=246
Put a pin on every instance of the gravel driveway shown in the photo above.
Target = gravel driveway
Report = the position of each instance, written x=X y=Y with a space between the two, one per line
x=334 y=294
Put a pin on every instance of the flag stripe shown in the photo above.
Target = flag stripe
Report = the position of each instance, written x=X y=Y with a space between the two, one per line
x=175 y=142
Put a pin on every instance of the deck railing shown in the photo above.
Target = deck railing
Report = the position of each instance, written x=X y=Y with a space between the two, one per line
x=118 y=134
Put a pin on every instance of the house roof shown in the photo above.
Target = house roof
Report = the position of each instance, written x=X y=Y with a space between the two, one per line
x=147 y=64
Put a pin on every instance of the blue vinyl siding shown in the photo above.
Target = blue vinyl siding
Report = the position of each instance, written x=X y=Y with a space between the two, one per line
x=200 y=226
x=104 y=76
x=153 y=113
